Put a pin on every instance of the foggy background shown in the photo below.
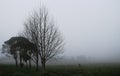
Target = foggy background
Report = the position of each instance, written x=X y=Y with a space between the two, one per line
x=91 y=28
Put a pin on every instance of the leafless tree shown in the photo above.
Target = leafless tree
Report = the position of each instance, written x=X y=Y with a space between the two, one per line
x=40 y=29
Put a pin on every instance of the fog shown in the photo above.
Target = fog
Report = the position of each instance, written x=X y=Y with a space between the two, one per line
x=91 y=28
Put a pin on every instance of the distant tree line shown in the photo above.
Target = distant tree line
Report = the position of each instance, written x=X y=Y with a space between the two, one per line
x=40 y=40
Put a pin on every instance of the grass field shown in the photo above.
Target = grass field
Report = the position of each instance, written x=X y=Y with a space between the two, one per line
x=112 y=70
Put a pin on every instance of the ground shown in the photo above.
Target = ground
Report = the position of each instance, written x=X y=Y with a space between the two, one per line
x=60 y=70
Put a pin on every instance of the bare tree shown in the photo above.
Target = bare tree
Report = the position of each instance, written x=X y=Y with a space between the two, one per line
x=41 y=30
x=31 y=33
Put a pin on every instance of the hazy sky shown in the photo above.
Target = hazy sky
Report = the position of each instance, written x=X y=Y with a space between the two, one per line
x=90 y=27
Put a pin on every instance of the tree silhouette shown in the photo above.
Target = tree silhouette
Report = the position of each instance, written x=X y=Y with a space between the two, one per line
x=41 y=30
x=19 y=47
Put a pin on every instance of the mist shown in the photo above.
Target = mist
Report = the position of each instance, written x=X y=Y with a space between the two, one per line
x=91 y=28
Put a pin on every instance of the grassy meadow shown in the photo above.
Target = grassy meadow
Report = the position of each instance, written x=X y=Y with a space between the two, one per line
x=60 y=70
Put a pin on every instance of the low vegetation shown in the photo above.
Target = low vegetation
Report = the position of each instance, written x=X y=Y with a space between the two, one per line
x=11 y=70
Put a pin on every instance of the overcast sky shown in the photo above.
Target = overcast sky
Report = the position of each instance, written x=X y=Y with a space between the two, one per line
x=90 y=27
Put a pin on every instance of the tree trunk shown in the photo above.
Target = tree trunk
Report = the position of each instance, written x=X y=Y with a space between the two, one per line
x=37 y=61
x=30 y=63
x=16 y=62
x=43 y=65
x=26 y=64
x=21 y=64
